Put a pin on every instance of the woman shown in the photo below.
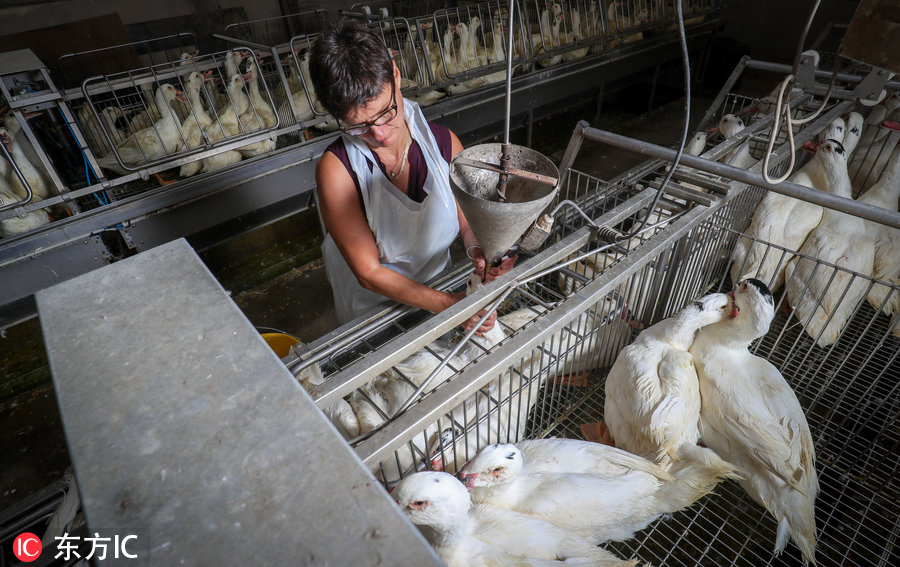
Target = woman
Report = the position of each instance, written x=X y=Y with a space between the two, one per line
x=383 y=186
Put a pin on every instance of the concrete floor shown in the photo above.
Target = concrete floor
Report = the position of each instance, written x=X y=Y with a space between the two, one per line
x=299 y=300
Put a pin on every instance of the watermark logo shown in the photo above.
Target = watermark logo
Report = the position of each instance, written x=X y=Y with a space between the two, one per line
x=68 y=547
x=27 y=547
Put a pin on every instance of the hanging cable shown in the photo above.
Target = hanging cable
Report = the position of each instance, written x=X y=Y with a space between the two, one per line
x=685 y=59
x=780 y=100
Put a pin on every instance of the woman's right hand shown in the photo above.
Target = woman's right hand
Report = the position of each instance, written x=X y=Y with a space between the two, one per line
x=472 y=321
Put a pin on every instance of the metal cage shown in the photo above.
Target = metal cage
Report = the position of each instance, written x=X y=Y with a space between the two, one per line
x=565 y=31
x=470 y=43
x=566 y=313
x=146 y=140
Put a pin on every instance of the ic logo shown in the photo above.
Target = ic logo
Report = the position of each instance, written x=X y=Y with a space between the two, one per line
x=27 y=547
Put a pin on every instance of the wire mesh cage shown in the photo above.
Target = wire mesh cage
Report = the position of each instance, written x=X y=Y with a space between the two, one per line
x=173 y=110
x=851 y=405
x=41 y=161
x=285 y=41
x=372 y=11
x=847 y=391
x=565 y=31
x=627 y=18
x=695 y=10
x=470 y=43
x=580 y=301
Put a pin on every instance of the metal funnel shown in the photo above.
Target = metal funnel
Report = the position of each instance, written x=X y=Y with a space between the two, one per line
x=498 y=224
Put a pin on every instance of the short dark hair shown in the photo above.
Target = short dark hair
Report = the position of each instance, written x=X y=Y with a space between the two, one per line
x=349 y=66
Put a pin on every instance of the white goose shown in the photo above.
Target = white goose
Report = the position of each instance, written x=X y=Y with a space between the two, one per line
x=34 y=173
x=575 y=36
x=610 y=503
x=784 y=221
x=195 y=125
x=885 y=194
x=550 y=60
x=618 y=20
x=865 y=161
x=824 y=298
x=484 y=536
x=159 y=140
x=258 y=115
x=228 y=124
x=751 y=417
x=652 y=406
x=93 y=130
x=603 y=332
x=497 y=55
x=19 y=224
x=730 y=125
x=697 y=144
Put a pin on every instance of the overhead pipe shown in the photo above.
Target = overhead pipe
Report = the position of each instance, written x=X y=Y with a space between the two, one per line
x=842 y=204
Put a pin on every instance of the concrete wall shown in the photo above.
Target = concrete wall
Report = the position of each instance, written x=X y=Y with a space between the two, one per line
x=24 y=15
x=769 y=27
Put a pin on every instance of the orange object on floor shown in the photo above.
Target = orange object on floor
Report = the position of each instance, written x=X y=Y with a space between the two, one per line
x=597 y=433
x=574 y=380
x=165 y=178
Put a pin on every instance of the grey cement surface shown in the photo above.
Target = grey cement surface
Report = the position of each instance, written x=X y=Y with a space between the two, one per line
x=187 y=431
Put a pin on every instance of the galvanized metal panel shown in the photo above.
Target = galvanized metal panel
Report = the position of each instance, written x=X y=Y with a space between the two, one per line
x=185 y=429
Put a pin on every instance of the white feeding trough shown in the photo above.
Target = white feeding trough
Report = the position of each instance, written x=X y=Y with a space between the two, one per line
x=532 y=183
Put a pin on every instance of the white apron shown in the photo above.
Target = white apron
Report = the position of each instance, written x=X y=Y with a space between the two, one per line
x=413 y=239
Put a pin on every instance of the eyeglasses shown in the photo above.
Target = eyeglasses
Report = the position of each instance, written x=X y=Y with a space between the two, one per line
x=383 y=118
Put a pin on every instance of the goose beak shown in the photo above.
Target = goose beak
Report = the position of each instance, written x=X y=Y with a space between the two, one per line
x=734 y=308
x=179 y=96
x=467 y=479
x=811 y=147
x=892 y=125
x=714 y=129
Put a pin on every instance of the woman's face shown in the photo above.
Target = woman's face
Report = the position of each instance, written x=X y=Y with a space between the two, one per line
x=387 y=134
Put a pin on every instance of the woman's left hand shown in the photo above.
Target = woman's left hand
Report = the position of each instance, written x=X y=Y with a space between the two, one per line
x=479 y=262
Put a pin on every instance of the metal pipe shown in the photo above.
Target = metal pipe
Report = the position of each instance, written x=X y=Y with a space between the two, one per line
x=509 y=58
x=786 y=69
x=849 y=206
x=505 y=150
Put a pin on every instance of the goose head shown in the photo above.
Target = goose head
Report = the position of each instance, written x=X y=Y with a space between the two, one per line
x=709 y=309
x=474 y=24
x=834 y=131
x=6 y=139
x=434 y=499
x=854 y=122
x=166 y=93
x=730 y=125
x=493 y=465
x=832 y=153
x=754 y=307
x=194 y=83
x=697 y=144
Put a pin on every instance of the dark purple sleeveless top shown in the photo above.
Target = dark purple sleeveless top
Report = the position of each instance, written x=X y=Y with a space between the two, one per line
x=418 y=171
